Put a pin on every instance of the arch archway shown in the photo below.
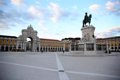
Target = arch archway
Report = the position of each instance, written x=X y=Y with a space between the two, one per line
x=29 y=44
x=34 y=42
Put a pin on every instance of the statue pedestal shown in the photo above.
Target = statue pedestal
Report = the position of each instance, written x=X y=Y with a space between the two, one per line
x=88 y=41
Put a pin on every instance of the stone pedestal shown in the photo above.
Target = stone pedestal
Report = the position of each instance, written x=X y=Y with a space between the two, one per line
x=88 y=40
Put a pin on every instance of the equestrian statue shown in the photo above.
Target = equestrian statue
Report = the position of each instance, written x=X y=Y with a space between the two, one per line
x=87 y=19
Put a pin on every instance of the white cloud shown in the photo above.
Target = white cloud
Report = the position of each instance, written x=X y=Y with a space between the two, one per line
x=2 y=2
x=117 y=2
x=17 y=2
x=75 y=7
x=94 y=7
x=113 y=7
x=3 y=25
x=42 y=26
x=56 y=12
x=115 y=31
x=110 y=6
x=35 y=12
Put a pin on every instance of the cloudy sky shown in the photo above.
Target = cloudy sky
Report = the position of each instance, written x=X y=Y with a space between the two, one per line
x=57 y=19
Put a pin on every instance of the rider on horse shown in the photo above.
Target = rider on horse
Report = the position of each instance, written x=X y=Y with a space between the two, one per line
x=87 y=19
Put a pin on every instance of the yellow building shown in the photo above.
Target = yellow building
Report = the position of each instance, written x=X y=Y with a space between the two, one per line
x=111 y=43
x=102 y=44
x=9 y=43
x=51 y=45
x=36 y=44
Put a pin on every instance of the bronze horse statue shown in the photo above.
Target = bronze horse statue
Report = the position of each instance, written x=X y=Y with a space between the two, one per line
x=87 y=19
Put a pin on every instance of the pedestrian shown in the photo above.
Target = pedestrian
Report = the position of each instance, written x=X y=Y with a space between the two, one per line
x=42 y=51
x=63 y=51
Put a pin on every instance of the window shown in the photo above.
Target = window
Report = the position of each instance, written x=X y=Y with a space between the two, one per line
x=81 y=47
x=98 y=47
x=90 y=46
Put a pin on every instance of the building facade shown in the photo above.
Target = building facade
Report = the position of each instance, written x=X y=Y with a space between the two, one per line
x=8 y=43
x=51 y=45
x=111 y=43
x=71 y=44
x=102 y=44
x=13 y=43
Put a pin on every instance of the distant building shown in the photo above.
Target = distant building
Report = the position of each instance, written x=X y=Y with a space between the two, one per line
x=71 y=43
x=51 y=45
x=13 y=43
x=7 y=43
x=102 y=44
x=111 y=43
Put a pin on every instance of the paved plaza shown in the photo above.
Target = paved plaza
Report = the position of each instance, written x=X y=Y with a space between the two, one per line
x=58 y=66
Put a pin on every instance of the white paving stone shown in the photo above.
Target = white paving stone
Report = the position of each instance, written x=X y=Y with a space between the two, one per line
x=43 y=66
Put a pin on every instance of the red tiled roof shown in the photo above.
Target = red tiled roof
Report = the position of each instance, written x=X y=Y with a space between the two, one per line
x=49 y=39
x=108 y=38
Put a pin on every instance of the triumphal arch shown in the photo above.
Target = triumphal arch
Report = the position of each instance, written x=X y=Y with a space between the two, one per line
x=22 y=40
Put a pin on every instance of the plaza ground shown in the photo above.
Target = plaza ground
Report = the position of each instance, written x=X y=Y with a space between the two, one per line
x=58 y=66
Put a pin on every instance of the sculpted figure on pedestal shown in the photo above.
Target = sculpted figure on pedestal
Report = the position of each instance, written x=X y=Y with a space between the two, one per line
x=87 y=19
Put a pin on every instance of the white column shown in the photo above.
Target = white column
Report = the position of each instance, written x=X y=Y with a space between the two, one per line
x=46 y=48
x=114 y=46
x=33 y=47
x=70 y=47
x=94 y=46
x=49 y=48
x=4 y=47
x=21 y=45
x=12 y=47
x=36 y=46
x=110 y=46
x=85 y=47
x=59 y=49
x=64 y=46
x=42 y=48
x=39 y=47
x=17 y=45
x=9 y=48
x=107 y=47
x=25 y=46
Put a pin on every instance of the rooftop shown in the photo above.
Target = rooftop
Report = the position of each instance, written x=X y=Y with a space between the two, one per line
x=6 y=36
